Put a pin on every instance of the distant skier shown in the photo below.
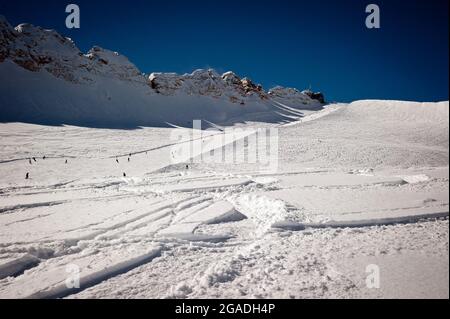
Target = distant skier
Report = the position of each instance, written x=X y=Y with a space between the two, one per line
x=27 y=176
x=34 y=159
x=129 y=155
x=44 y=157
x=128 y=159
x=117 y=160
x=187 y=166
x=66 y=162
x=29 y=161
x=124 y=175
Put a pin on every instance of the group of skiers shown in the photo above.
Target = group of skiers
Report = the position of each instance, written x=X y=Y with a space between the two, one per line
x=33 y=159
x=129 y=159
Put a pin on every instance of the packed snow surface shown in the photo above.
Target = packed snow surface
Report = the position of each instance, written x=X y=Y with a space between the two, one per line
x=357 y=184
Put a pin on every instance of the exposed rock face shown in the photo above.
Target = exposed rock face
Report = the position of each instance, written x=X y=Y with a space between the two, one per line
x=7 y=36
x=35 y=49
x=296 y=97
x=231 y=78
x=315 y=96
x=251 y=87
x=165 y=83
x=207 y=83
x=106 y=62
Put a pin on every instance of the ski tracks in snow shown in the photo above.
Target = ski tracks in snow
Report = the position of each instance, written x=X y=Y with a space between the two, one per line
x=189 y=232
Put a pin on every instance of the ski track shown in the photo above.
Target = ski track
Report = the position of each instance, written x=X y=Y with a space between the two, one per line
x=169 y=210
x=118 y=230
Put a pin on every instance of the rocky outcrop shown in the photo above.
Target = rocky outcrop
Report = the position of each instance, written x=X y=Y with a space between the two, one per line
x=7 y=36
x=35 y=49
x=108 y=63
x=315 y=96
x=295 y=97
x=207 y=83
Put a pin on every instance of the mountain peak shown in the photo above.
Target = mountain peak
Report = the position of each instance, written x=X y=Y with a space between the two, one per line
x=49 y=54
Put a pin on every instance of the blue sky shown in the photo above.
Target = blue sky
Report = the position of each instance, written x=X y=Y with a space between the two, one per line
x=321 y=43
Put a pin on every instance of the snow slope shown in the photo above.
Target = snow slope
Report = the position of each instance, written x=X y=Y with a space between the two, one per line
x=104 y=89
x=358 y=184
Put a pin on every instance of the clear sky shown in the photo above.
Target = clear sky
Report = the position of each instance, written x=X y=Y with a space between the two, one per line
x=322 y=43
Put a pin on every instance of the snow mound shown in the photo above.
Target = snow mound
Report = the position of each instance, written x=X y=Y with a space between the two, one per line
x=295 y=226
x=217 y=213
x=413 y=179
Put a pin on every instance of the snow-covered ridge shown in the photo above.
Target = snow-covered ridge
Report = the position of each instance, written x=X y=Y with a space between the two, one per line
x=295 y=96
x=104 y=86
x=207 y=82
x=35 y=49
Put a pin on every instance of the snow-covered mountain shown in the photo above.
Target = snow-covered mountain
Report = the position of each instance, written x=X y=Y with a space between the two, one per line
x=36 y=49
x=45 y=78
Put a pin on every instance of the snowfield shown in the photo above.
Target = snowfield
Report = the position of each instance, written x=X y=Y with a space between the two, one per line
x=357 y=184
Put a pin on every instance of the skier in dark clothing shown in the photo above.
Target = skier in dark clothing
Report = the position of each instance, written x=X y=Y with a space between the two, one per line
x=117 y=160
x=29 y=161
x=124 y=175
x=66 y=161
x=27 y=176
x=128 y=159
x=44 y=157
x=34 y=159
